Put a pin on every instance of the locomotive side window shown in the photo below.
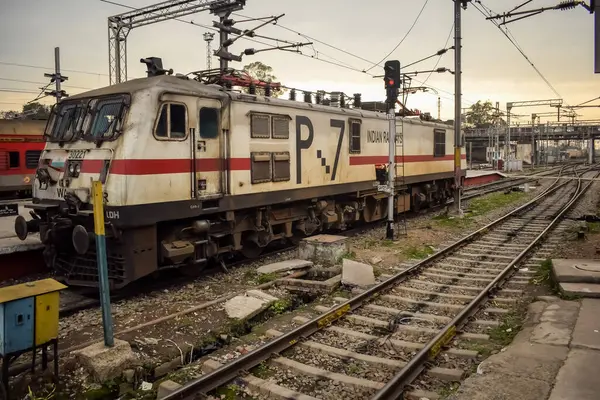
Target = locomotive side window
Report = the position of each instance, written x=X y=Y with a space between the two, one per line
x=260 y=126
x=354 y=136
x=172 y=122
x=209 y=123
x=13 y=159
x=439 y=142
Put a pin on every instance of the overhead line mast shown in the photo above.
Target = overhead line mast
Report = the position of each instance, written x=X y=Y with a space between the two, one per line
x=119 y=27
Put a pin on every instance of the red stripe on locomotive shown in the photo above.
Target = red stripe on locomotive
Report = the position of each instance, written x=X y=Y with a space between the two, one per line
x=184 y=165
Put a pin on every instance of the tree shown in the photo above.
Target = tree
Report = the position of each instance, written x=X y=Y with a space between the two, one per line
x=11 y=114
x=483 y=115
x=263 y=72
x=36 y=110
x=33 y=110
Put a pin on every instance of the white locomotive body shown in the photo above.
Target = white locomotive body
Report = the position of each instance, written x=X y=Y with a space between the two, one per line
x=192 y=172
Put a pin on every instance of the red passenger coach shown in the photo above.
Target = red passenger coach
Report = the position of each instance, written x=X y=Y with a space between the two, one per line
x=21 y=143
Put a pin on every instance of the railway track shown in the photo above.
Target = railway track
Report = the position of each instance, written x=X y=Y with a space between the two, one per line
x=386 y=342
x=481 y=190
x=78 y=299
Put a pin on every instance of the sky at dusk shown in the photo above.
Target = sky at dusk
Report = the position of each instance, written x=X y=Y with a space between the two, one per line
x=355 y=34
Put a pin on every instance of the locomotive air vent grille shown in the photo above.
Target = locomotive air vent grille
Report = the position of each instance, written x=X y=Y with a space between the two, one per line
x=281 y=128
x=32 y=158
x=261 y=170
x=281 y=166
x=260 y=126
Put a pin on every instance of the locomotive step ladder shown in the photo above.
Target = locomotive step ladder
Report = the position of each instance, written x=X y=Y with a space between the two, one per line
x=400 y=180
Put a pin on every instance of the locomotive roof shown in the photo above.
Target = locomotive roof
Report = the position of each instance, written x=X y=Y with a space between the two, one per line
x=174 y=84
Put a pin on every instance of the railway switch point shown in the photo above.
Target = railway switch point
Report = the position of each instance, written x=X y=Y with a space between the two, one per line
x=105 y=362
x=357 y=274
x=323 y=249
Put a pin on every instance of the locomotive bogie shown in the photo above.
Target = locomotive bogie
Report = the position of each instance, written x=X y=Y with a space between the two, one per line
x=192 y=173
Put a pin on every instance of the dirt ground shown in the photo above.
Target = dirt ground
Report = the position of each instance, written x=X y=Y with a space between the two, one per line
x=163 y=342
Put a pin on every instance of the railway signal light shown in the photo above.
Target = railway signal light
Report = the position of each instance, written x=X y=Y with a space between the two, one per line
x=392 y=74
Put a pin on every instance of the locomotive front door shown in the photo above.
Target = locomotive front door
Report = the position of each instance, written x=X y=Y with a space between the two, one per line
x=207 y=151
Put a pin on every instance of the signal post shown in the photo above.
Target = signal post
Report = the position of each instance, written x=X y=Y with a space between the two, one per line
x=392 y=84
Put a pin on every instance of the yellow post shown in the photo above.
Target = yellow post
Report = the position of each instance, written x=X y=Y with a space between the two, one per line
x=98 y=203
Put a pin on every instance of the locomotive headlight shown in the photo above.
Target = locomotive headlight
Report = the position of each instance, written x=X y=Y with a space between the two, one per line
x=77 y=168
x=71 y=168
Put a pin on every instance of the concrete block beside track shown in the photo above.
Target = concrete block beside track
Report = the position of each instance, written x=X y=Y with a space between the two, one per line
x=105 y=363
x=357 y=274
x=248 y=306
x=576 y=271
x=166 y=388
x=323 y=249
x=284 y=266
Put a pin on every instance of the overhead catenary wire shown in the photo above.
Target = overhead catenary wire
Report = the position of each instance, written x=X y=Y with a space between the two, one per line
x=42 y=83
x=349 y=67
x=40 y=67
x=401 y=40
x=337 y=63
x=515 y=44
x=317 y=56
x=441 y=55
x=191 y=23
x=588 y=101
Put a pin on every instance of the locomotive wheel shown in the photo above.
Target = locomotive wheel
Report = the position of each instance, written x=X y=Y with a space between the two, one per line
x=251 y=250
x=296 y=239
x=192 y=270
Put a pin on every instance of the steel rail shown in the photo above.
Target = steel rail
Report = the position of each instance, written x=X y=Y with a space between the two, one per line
x=230 y=371
x=395 y=388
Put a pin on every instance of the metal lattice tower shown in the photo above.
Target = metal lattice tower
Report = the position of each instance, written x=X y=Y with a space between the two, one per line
x=208 y=37
x=120 y=25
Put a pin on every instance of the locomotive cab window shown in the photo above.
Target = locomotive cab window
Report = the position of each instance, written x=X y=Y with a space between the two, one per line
x=107 y=120
x=354 y=135
x=439 y=142
x=209 y=123
x=172 y=122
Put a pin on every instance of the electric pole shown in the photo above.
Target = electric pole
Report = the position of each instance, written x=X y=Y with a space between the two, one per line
x=56 y=78
x=457 y=102
x=392 y=84
x=208 y=37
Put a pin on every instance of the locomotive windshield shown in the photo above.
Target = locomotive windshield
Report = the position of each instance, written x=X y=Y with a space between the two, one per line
x=93 y=120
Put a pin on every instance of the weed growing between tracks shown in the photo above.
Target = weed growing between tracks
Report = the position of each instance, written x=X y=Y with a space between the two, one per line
x=479 y=206
x=418 y=252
